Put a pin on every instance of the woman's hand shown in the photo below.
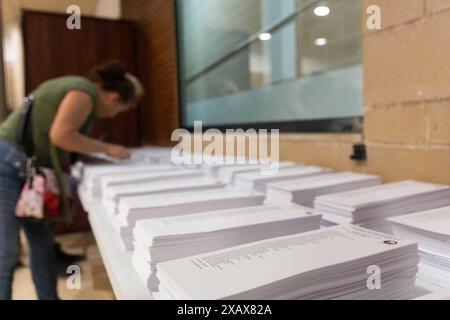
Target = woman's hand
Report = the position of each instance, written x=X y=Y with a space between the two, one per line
x=118 y=152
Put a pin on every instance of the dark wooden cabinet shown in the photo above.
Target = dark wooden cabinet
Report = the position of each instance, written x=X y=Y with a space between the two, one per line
x=52 y=50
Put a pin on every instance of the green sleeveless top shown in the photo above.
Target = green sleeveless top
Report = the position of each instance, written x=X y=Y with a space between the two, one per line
x=48 y=97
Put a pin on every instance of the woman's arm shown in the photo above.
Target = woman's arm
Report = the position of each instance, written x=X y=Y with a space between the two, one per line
x=72 y=114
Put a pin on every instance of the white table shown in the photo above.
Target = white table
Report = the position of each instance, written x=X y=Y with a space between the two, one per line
x=125 y=282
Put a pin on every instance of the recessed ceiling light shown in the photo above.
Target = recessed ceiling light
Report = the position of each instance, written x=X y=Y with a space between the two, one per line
x=320 y=42
x=265 y=36
x=322 y=11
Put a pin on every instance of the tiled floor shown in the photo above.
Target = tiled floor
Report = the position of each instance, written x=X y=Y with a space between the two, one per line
x=94 y=281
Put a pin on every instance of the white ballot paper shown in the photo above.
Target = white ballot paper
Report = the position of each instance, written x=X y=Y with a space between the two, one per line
x=153 y=155
x=440 y=295
x=304 y=191
x=369 y=207
x=258 y=181
x=113 y=194
x=228 y=174
x=133 y=209
x=334 y=263
x=159 y=240
x=93 y=173
x=212 y=164
x=138 y=156
x=143 y=177
x=431 y=229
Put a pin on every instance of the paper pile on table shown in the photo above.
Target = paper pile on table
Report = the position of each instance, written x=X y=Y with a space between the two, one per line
x=152 y=155
x=92 y=174
x=159 y=240
x=334 y=263
x=228 y=174
x=440 y=295
x=369 y=207
x=304 y=191
x=145 y=177
x=431 y=229
x=133 y=209
x=259 y=181
x=212 y=165
x=113 y=194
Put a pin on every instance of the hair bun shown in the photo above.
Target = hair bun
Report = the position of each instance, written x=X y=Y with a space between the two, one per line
x=112 y=71
x=112 y=76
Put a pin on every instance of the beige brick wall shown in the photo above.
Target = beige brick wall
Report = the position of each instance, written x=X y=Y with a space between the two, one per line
x=407 y=91
x=411 y=10
x=434 y=6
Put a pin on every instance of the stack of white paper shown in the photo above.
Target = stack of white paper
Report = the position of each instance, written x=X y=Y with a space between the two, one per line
x=440 y=295
x=144 y=177
x=133 y=209
x=138 y=156
x=431 y=229
x=152 y=155
x=160 y=240
x=304 y=191
x=341 y=262
x=259 y=181
x=93 y=173
x=212 y=165
x=228 y=174
x=113 y=194
x=369 y=207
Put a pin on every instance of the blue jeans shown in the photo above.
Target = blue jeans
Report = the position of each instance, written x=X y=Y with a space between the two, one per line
x=38 y=233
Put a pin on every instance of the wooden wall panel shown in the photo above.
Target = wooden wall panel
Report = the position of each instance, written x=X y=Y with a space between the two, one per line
x=157 y=61
x=51 y=50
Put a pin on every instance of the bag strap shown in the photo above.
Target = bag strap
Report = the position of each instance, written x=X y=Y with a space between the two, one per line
x=65 y=206
x=23 y=131
x=23 y=134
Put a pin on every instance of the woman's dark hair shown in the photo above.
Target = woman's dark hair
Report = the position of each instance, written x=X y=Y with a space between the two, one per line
x=111 y=76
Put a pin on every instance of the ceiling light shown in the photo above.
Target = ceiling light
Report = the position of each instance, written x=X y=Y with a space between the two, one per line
x=265 y=36
x=320 y=42
x=322 y=11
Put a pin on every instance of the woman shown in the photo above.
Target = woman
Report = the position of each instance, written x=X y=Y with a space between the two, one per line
x=63 y=113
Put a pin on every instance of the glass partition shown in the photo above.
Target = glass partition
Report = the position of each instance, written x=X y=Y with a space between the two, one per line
x=260 y=62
